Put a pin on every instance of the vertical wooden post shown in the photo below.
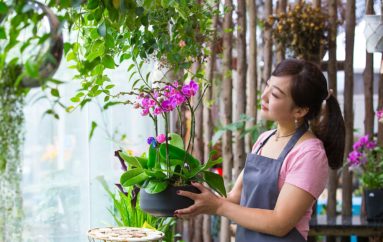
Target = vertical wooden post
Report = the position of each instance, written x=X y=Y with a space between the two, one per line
x=332 y=80
x=207 y=115
x=368 y=80
x=226 y=111
x=282 y=4
x=240 y=88
x=268 y=44
x=348 y=107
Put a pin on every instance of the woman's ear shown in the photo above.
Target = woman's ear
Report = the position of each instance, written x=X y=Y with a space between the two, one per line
x=299 y=112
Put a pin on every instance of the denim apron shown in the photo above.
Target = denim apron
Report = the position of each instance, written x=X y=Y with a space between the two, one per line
x=260 y=189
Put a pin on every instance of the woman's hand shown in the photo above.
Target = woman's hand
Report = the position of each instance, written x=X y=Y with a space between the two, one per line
x=204 y=203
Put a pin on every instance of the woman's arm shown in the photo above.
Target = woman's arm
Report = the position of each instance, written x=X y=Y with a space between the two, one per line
x=291 y=206
x=234 y=195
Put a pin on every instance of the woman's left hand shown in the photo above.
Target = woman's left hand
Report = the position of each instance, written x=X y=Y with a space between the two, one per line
x=204 y=203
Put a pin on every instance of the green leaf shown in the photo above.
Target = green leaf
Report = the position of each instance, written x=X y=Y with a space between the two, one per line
x=156 y=174
x=179 y=154
x=211 y=163
x=130 y=67
x=156 y=186
x=134 y=161
x=152 y=157
x=55 y=92
x=3 y=8
x=32 y=69
x=215 y=182
x=2 y=33
x=94 y=125
x=165 y=3
x=176 y=140
x=108 y=62
x=75 y=99
x=133 y=177
x=92 y=4
x=71 y=56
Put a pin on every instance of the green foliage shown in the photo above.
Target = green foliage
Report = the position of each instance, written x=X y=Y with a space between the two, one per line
x=126 y=214
x=372 y=176
x=183 y=169
x=240 y=125
x=113 y=32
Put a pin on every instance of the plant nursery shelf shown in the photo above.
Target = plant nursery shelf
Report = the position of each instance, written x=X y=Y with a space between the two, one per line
x=344 y=226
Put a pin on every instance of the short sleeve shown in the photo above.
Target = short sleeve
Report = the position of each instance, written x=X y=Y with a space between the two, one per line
x=308 y=170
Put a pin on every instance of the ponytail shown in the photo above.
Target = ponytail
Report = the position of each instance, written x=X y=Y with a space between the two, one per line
x=329 y=127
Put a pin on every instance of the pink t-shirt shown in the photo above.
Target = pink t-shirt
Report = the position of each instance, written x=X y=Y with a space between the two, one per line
x=306 y=167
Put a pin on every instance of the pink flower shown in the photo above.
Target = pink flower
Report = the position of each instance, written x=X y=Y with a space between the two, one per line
x=190 y=89
x=161 y=138
x=379 y=114
x=182 y=44
x=145 y=112
x=157 y=111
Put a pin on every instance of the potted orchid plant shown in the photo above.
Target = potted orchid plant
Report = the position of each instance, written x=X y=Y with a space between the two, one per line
x=367 y=159
x=167 y=166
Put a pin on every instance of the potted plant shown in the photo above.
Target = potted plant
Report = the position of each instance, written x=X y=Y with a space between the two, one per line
x=168 y=166
x=367 y=158
x=302 y=31
x=373 y=32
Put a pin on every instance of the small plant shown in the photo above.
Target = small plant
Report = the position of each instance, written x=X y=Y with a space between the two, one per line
x=368 y=157
x=303 y=30
x=126 y=212
x=167 y=161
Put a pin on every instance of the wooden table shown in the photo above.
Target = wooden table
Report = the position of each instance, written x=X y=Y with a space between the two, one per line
x=347 y=226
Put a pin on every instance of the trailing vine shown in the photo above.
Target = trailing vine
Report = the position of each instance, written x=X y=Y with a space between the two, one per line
x=11 y=135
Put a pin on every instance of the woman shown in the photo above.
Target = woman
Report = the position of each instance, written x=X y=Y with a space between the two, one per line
x=287 y=170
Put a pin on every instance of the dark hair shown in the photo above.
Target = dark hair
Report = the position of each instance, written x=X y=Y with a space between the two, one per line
x=309 y=89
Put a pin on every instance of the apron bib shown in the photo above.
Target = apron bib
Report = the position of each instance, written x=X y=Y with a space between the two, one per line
x=260 y=189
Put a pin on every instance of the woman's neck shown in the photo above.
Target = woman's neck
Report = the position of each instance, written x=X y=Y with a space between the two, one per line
x=286 y=128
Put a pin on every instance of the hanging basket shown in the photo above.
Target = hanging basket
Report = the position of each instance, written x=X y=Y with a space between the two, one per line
x=373 y=33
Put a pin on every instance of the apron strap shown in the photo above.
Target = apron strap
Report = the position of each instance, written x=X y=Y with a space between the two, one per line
x=298 y=134
x=263 y=142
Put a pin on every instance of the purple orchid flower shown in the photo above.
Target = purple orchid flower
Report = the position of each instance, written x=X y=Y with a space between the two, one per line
x=190 y=89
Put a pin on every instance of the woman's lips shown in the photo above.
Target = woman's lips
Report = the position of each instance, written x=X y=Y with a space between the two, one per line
x=264 y=108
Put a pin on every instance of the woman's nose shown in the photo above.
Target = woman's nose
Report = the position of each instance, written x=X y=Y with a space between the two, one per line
x=265 y=93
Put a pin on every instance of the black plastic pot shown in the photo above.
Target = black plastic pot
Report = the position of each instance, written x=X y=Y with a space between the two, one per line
x=374 y=204
x=164 y=204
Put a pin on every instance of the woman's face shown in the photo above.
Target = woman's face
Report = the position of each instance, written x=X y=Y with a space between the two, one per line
x=277 y=103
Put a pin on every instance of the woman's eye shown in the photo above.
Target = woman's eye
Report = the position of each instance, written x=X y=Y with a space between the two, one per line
x=274 y=95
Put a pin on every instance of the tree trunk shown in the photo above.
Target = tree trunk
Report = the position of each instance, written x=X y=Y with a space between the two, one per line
x=282 y=4
x=332 y=80
x=226 y=111
x=268 y=44
x=252 y=75
x=240 y=88
x=348 y=106
x=207 y=116
x=368 y=79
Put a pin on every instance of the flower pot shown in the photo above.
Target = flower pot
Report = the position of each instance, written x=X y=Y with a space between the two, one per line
x=374 y=204
x=373 y=33
x=163 y=204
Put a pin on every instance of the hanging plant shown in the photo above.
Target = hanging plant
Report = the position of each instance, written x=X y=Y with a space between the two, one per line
x=11 y=135
x=26 y=61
